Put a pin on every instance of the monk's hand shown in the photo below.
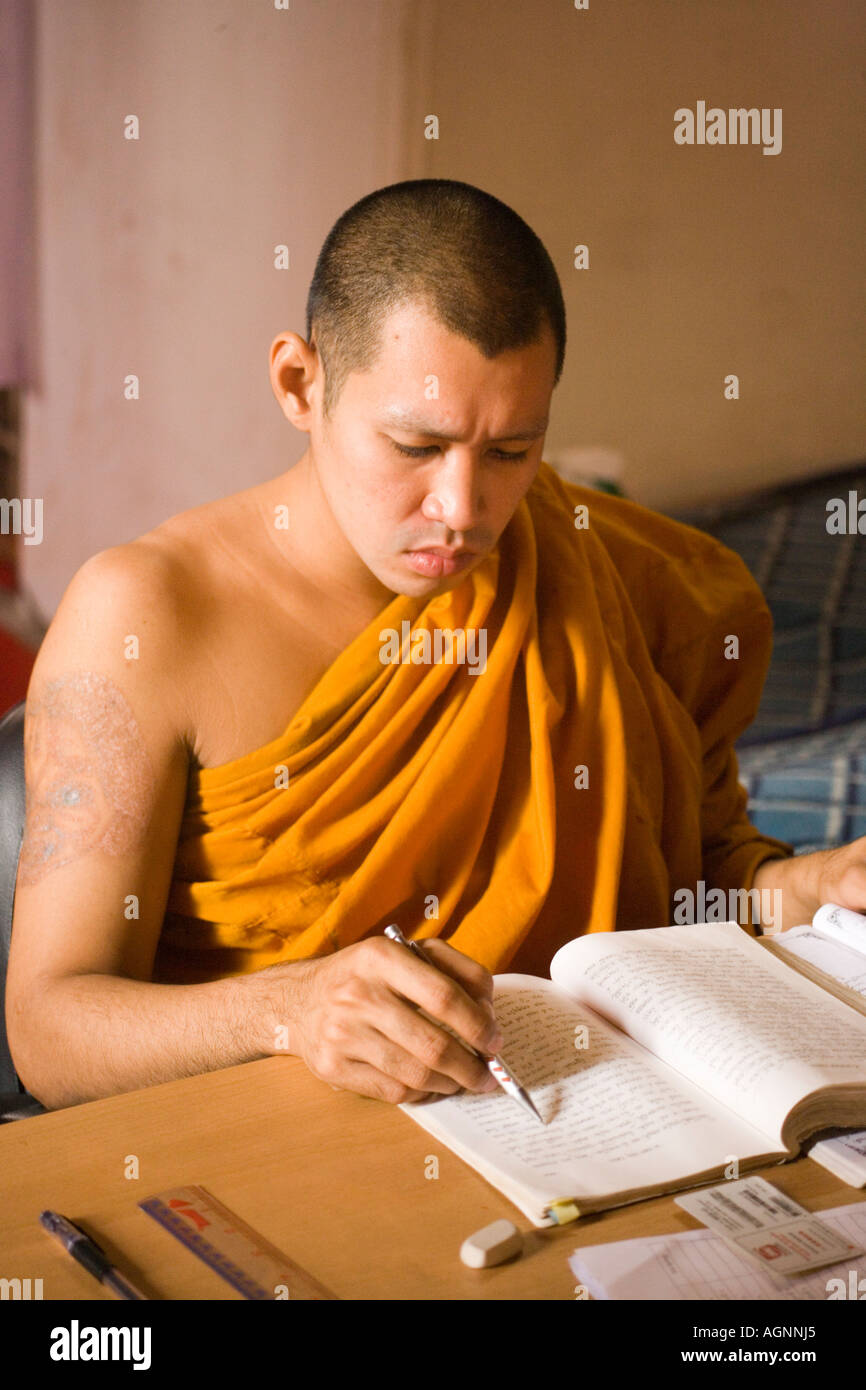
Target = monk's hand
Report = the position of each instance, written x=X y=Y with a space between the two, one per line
x=808 y=881
x=842 y=876
x=354 y=1019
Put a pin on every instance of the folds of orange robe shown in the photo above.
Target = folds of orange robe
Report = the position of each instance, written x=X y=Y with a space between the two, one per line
x=573 y=784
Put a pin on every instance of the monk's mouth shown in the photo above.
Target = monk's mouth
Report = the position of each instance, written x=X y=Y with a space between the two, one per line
x=434 y=564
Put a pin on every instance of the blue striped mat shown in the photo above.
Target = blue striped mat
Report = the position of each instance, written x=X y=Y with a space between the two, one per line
x=803 y=759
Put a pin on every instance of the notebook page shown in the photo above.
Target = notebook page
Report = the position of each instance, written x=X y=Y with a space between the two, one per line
x=700 y=1265
x=715 y=1005
x=617 y=1118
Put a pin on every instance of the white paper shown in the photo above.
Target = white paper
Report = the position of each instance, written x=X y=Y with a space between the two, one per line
x=700 y=1265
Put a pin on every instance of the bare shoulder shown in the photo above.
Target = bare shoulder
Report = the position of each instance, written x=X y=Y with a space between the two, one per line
x=105 y=740
x=144 y=576
x=174 y=619
x=161 y=588
x=123 y=597
x=198 y=551
x=122 y=624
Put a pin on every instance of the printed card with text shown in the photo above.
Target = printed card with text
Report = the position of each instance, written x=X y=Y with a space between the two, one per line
x=762 y=1222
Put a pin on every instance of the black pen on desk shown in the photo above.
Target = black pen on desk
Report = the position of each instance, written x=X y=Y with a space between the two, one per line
x=495 y=1065
x=89 y=1255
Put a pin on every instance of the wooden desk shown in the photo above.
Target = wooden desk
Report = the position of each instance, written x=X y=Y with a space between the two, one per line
x=334 y=1180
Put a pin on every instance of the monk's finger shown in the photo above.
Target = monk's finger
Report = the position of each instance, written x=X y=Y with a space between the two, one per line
x=438 y=993
x=366 y=1080
x=467 y=972
x=407 y=1044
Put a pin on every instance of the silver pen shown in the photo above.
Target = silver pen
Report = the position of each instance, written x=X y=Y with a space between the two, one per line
x=495 y=1065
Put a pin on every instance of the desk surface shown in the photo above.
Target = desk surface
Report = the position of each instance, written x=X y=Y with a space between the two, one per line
x=336 y=1181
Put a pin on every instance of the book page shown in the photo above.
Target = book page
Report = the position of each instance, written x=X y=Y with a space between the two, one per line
x=841 y=962
x=725 y=1013
x=617 y=1119
x=843 y=1154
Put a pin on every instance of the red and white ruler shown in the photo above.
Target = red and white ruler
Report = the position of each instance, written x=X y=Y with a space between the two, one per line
x=233 y=1249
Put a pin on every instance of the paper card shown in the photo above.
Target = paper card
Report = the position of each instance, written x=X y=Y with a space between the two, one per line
x=766 y=1225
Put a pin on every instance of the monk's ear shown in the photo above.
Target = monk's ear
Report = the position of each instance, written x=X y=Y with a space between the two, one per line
x=294 y=372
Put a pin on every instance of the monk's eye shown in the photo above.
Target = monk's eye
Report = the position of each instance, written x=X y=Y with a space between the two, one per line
x=409 y=453
x=416 y=453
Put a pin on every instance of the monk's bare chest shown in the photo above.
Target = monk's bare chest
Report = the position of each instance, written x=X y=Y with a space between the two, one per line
x=256 y=659
x=260 y=633
x=260 y=664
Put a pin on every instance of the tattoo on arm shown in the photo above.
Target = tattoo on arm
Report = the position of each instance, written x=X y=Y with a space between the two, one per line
x=90 y=783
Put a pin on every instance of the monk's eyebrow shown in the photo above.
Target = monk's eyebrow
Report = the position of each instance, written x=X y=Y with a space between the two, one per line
x=404 y=420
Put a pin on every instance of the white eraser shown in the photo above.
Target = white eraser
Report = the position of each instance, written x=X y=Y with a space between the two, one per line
x=492 y=1245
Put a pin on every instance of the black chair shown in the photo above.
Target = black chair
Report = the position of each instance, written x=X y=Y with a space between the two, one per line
x=15 y=1102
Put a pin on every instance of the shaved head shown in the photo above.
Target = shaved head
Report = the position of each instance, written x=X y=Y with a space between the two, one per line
x=475 y=264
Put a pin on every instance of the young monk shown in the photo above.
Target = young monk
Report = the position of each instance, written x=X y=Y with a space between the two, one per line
x=417 y=678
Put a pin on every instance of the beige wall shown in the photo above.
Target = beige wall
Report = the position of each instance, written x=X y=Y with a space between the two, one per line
x=155 y=256
x=260 y=126
x=703 y=260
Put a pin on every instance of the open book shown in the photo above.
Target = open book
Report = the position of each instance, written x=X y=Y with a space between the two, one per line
x=831 y=950
x=659 y=1059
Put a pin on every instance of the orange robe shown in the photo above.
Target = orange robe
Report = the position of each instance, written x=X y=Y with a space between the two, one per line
x=446 y=800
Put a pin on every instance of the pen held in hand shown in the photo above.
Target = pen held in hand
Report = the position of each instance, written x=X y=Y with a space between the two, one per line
x=495 y=1065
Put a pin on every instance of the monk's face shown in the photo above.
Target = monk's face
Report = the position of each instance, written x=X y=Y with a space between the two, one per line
x=395 y=488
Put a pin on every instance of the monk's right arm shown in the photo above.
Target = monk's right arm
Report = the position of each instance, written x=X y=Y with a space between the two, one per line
x=107 y=738
x=76 y=1038
x=106 y=763
x=80 y=1037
